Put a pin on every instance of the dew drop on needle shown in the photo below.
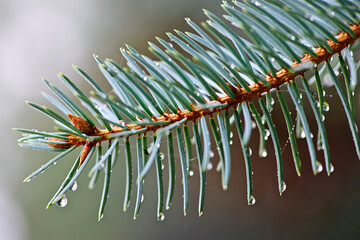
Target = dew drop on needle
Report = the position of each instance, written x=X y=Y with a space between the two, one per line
x=62 y=202
x=74 y=187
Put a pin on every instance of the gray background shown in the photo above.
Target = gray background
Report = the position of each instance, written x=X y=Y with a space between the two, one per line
x=40 y=38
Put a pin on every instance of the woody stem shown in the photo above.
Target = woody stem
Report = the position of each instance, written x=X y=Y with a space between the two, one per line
x=282 y=76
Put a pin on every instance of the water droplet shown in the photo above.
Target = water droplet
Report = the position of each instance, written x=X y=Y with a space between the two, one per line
x=209 y=166
x=169 y=59
x=54 y=163
x=161 y=217
x=263 y=153
x=232 y=66
x=283 y=187
x=191 y=173
x=201 y=213
x=332 y=13
x=322 y=117
x=300 y=96
x=331 y=168
x=74 y=187
x=302 y=133
x=319 y=167
x=252 y=200
x=272 y=59
x=62 y=202
x=257 y=3
x=231 y=142
x=145 y=78
x=311 y=135
x=324 y=93
x=211 y=154
x=27 y=180
x=162 y=166
x=161 y=156
x=250 y=151
x=336 y=73
x=102 y=165
x=253 y=125
x=142 y=197
x=292 y=38
x=326 y=107
x=157 y=63
x=267 y=134
x=231 y=134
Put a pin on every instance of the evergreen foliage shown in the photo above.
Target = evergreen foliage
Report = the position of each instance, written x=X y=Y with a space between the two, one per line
x=174 y=99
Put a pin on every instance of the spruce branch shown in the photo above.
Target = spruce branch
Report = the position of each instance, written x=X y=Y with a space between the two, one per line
x=241 y=95
x=227 y=72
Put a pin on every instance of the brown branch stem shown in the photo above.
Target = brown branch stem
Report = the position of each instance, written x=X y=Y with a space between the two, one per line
x=282 y=76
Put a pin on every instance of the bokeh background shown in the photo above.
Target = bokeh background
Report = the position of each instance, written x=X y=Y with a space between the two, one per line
x=40 y=38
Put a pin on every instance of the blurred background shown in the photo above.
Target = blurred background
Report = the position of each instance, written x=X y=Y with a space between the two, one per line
x=40 y=38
